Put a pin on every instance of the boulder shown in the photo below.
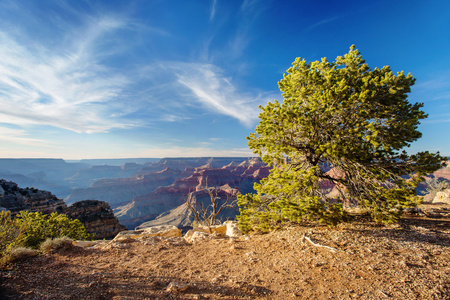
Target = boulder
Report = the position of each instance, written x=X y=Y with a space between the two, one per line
x=192 y=236
x=442 y=197
x=87 y=244
x=217 y=229
x=232 y=229
x=163 y=230
x=167 y=231
x=229 y=229
x=177 y=287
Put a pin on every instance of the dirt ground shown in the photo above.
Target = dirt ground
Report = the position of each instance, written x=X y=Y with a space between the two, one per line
x=409 y=260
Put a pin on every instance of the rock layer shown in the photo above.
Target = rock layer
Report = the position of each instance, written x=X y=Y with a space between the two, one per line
x=16 y=199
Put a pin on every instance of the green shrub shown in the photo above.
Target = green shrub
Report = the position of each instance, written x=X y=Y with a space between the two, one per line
x=11 y=235
x=31 y=229
x=37 y=227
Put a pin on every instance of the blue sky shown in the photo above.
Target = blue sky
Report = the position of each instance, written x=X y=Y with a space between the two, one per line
x=113 y=79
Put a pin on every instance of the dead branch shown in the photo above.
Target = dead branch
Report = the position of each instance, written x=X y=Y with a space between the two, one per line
x=207 y=215
x=317 y=245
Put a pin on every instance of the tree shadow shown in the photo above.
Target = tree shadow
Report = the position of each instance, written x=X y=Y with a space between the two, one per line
x=412 y=229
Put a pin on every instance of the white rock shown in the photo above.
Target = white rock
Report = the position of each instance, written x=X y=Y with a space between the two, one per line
x=442 y=197
x=193 y=236
x=86 y=244
x=163 y=230
x=219 y=229
x=177 y=287
x=232 y=229
x=167 y=231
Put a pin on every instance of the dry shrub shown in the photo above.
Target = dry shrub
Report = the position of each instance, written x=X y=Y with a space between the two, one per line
x=17 y=254
x=61 y=243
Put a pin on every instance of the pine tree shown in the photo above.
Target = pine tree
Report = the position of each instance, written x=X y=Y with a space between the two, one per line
x=344 y=116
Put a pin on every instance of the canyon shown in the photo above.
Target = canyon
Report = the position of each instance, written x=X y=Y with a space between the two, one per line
x=153 y=191
x=145 y=192
x=161 y=188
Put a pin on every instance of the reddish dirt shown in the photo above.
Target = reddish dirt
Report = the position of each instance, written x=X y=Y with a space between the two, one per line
x=409 y=260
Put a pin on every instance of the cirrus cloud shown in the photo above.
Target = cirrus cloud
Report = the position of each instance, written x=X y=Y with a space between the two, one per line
x=66 y=87
x=216 y=92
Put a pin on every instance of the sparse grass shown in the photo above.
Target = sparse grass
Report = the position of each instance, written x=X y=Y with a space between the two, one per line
x=17 y=254
x=60 y=243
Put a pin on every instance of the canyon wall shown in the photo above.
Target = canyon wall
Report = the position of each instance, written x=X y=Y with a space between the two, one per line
x=96 y=216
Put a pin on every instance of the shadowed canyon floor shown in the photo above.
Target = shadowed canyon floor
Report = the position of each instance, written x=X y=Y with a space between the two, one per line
x=409 y=260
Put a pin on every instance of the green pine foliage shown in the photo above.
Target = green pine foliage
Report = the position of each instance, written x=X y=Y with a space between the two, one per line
x=345 y=116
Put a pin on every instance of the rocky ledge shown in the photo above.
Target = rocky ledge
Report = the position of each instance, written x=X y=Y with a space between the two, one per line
x=96 y=216
x=16 y=199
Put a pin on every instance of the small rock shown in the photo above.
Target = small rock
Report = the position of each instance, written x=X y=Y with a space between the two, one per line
x=232 y=229
x=442 y=197
x=177 y=287
x=193 y=236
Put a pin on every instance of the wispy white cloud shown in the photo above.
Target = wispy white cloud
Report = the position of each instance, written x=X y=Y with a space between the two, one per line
x=335 y=18
x=250 y=5
x=325 y=21
x=19 y=136
x=435 y=88
x=212 y=12
x=79 y=79
x=249 y=12
x=436 y=119
x=216 y=92
x=173 y=118
x=204 y=143
x=66 y=87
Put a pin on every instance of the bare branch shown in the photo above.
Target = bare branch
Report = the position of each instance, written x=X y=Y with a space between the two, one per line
x=317 y=245
x=207 y=215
